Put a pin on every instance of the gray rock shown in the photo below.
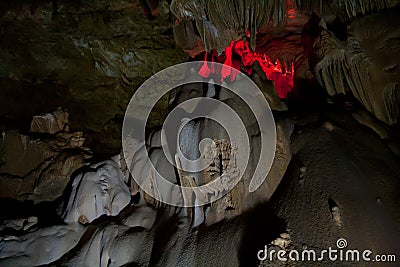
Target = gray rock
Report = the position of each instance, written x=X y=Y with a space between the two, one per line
x=358 y=65
x=100 y=190
x=19 y=224
x=39 y=247
x=115 y=245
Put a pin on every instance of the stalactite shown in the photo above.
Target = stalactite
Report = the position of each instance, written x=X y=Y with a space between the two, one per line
x=345 y=68
x=354 y=7
x=392 y=100
x=221 y=21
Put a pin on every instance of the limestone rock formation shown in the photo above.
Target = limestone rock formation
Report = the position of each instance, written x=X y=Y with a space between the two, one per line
x=222 y=155
x=39 y=169
x=239 y=200
x=98 y=190
x=364 y=65
x=115 y=245
x=269 y=92
x=353 y=8
x=19 y=224
x=207 y=25
x=51 y=123
x=88 y=57
x=220 y=22
x=39 y=247
x=143 y=216
x=331 y=177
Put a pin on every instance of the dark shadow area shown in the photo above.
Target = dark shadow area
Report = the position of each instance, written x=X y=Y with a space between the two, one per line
x=166 y=228
x=14 y=209
x=261 y=226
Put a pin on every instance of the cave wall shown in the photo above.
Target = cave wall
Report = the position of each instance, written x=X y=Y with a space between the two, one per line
x=365 y=64
x=88 y=57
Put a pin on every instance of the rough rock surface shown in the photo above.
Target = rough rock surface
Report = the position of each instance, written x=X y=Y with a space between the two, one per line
x=341 y=182
x=115 y=245
x=349 y=189
x=365 y=65
x=50 y=123
x=39 y=247
x=239 y=199
x=88 y=57
x=207 y=25
x=269 y=92
x=387 y=134
x=312 y=206
x=39 y=169
x=19 y=224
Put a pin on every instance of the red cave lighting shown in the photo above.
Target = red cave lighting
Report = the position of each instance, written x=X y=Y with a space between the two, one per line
x=239 y=55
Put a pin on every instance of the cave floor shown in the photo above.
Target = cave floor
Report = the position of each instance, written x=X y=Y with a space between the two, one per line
x=350 y=189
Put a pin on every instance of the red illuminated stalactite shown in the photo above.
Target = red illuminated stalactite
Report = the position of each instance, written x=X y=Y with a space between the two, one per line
x=240 y=56
x=205 y=70
x=291 y=9
x=279 y=73
x=229 y=72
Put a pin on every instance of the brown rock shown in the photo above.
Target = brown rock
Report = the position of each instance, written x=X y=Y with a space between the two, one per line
x=88 y=58
x=39 y=169
x=51 y=122
x=364 y=65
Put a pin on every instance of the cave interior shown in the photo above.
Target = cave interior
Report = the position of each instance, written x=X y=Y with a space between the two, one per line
x=69 y=70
